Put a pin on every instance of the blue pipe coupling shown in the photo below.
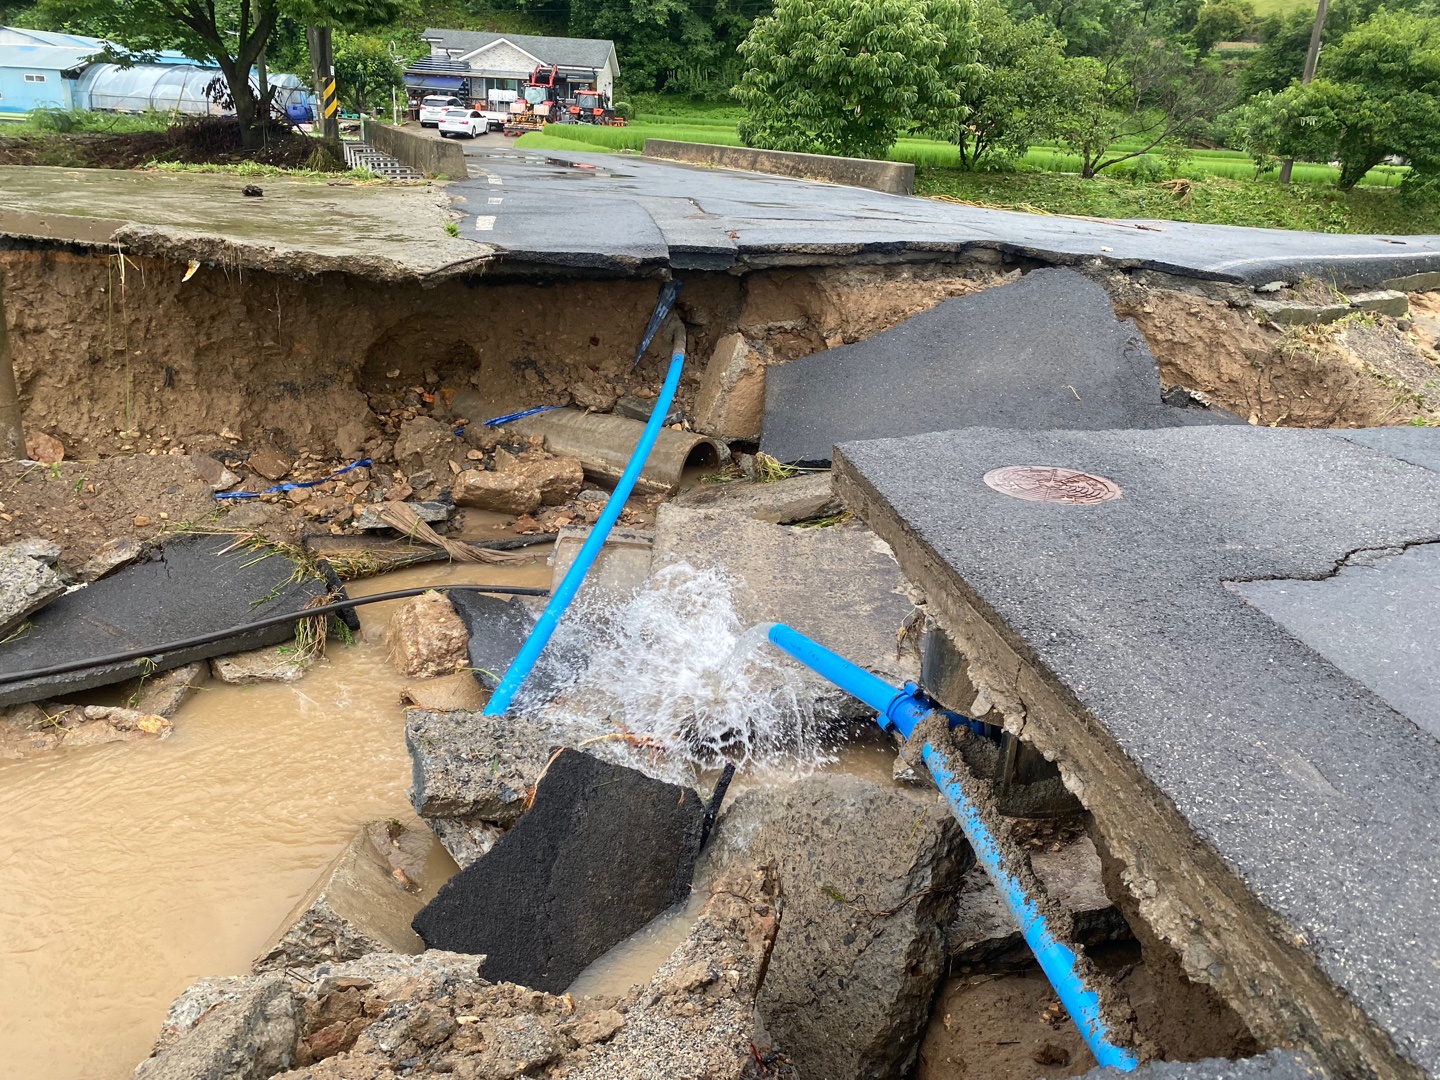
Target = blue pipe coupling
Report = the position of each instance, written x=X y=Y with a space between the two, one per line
x=903 y=710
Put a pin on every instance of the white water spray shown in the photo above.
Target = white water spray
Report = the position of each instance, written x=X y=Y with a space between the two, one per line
x=673 y=667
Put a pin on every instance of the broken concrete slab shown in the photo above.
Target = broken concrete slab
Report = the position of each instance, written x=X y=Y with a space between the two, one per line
x=466 y=839
x=469 y=765
x=1417 y=445
x=27 y=584
x=193 y=586
x=1165 y=696
x=619 y=569
x=1046 y=351
x=426 y=637
x=1390 y=302
x=496 y=627
x=368 y=518
x=601 y=851
x=274 y=663
x=1298 y=313
x=730 y=403
x=867 y=871
x=361 y=903
x=109 y=557
x=839 y=584
x=983 y=932
x=780 y=502
x=226 y=1029
x=163 y=694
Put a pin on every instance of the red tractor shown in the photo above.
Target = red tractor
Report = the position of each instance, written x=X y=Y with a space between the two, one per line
x=590 y=107
x=538 y=103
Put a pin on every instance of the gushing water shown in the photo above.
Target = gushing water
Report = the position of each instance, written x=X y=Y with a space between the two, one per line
x=673 y=667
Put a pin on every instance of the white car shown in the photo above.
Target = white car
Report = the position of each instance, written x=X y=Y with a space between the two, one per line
x=433 y=109
x=469 y=122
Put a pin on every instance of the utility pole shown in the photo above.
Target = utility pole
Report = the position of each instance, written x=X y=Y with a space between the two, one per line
x=322 y=63
x=1311 y=59
x=12 y=435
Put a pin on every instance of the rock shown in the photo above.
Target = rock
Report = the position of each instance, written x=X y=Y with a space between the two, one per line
x=860 y=949
x=357 y=906
x=214 y=472
x=426 y=445
x=446 y=693
x=636 y=406
x=163 y=694
x=427 y=638
x=45 y=551
x=274 y=663
x=602 y=851
x=44 y=448
x=501 y=492
x=92 y=725
x=1272 y=286
x=26 y=585
x=558 y=478
x=1390 y=302
x=469 y=765
x=26 y=730
x=1288 y=313
x=731 y=401
x=368 y=518
x=226 y=1029
x=270 y=463
x=110 y=556
x=590 y=390
x=466 y=839
x=798 y=498
x=140 y=521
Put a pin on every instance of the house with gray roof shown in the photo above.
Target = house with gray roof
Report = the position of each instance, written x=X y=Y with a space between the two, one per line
x=487 y=66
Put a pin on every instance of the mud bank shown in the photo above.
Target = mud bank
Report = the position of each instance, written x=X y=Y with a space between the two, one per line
x=109 y=344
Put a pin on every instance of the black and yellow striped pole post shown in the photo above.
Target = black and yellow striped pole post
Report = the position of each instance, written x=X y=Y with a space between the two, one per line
x=322 y=62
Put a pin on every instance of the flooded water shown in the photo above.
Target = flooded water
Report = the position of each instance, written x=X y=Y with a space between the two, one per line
x=130 y=869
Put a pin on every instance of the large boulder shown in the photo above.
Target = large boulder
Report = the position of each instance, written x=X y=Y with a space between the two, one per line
x=867 y=871
x=427 y=638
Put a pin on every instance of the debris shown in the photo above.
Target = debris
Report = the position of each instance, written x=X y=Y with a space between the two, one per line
x=446 y=693
x=369 y=518
x=223 y=1028
x=92 y=725
x=356 y=906
x=44 y=448
x=984 y=360
x=214 y=472
x=604 y=445
x=426 y=637
x=856 y=902
x=497 y=628
x=466 y=839
x=731 y=400
x=270 y=463
x=1390 y=302
x=602 y=851
x=27 y=584
x=111 y=556
x=399 y=515
x=781 y=502
x=468 y=765
x=163 y=694
x=253 y=191
x=273 y=663
x=500 y=492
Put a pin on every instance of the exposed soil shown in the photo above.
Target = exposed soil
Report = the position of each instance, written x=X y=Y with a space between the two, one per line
x=206 y=141
x=1355 y=374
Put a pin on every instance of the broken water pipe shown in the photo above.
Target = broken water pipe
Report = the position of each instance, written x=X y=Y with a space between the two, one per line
x=904 y=710
x=524 y=662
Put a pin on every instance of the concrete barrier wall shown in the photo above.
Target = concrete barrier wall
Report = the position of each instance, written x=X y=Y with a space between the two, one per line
x=895 y=177
x=431 y=157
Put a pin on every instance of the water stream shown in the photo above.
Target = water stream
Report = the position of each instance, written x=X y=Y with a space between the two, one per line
x=130 y=869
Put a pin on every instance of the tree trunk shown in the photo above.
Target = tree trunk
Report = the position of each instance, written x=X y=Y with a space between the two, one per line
x=252 y=129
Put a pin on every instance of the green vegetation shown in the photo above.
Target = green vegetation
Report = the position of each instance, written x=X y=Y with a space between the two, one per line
x=1215 y=200
x=365 y=71
x=257 y=169
x=58 y=121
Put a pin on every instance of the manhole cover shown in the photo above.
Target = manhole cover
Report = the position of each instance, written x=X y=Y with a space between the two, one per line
x=1044 y=483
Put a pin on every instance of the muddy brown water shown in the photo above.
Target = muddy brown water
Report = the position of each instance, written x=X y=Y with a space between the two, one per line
x=131 y=869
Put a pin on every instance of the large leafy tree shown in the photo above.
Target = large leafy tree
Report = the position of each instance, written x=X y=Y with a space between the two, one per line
x=365 y=71
x=1376 y=95
x=848 y=76
x=1011 y=96
x=232 y=33
x=1148 y=92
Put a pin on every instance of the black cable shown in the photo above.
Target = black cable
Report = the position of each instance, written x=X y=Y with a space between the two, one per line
x=259 y=624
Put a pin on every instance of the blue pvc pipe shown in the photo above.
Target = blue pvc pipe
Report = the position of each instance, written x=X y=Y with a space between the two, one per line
x=560 y=599
x=903 y=710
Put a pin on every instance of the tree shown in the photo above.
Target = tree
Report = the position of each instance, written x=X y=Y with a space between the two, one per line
x=1221 y=20
x=848 y=76
x=1148 y=93
x=1011 y=95
x=1377 y=95
x=232 y=33
x=365 y=71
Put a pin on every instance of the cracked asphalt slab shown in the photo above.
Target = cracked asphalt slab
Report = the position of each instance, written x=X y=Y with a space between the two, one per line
x=1317 y=793
x=546 y=206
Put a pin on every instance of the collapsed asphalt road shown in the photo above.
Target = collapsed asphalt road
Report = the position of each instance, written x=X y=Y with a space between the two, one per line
x=625 y=212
